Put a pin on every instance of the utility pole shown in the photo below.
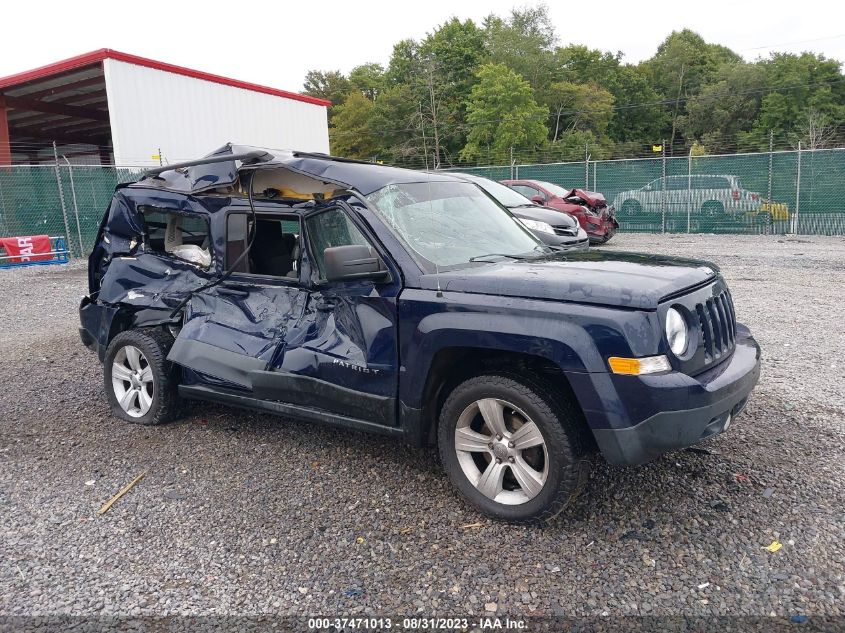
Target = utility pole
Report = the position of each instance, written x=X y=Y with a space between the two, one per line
x=797 y=193
x=61 y=194
x=689 y=188
x=677 y=103
x=425 y=146
x=769 y=191
x=771 y=156
x=586 y=165
x=433 y=106
x=75 y=206
x=512 y=163
x=663 y=186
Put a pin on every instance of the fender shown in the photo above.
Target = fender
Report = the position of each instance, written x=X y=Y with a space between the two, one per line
x=576 y=337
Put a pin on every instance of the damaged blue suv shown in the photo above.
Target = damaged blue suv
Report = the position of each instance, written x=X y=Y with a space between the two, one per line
x=413 y=305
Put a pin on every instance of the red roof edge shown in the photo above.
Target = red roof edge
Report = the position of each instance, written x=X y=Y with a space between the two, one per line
x=106 y=53
x=54 y=69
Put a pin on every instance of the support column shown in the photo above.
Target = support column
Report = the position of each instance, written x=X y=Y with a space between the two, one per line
x=5 y=147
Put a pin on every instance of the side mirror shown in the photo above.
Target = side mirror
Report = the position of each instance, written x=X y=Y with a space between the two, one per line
x=352 y=261
x=538 y=200
x=647 y=188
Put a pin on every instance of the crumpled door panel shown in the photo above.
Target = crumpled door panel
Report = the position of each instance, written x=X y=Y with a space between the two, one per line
x=149 y=280
x=349 y=339
x=340 y=357
x=231 y=330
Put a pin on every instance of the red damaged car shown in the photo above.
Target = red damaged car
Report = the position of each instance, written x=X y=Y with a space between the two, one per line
x=589 y=207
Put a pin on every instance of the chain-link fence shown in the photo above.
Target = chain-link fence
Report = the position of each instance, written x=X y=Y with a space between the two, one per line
x=67 y=200
x=771 y=192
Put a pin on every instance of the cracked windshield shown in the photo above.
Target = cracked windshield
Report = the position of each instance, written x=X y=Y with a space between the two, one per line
x=453 y=223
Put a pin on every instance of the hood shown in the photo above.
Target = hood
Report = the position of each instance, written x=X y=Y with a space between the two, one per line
x=592 y=198
x=628 y=280
x=548 y=215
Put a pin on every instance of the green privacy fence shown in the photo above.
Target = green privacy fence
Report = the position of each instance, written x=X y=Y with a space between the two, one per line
x=69 y=200
x=774 y=192
x=771 y=192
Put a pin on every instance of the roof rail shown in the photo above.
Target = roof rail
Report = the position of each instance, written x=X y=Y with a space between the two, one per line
x=256 y=156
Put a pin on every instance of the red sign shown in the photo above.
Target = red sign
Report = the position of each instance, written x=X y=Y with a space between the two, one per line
x=27 y=248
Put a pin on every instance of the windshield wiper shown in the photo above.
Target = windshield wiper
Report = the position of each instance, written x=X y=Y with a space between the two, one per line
x=478 y=258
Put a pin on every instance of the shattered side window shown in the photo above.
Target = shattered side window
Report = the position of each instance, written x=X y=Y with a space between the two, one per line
x=182 y=236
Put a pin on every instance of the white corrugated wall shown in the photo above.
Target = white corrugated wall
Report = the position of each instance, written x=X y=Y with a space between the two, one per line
x=187 y=118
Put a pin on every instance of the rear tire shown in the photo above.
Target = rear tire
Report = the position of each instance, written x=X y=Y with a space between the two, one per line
x=536 y=436
x=712 y=208
x=141 y=385
x=631 y=207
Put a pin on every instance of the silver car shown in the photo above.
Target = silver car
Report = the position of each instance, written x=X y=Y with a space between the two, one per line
x=708 y=195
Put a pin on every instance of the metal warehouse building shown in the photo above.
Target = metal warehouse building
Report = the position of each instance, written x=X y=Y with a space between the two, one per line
x=112 y=108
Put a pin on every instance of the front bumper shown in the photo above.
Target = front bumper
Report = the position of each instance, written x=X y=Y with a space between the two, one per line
x=680 y=410
x=564 y=242
x=600 y=228
x=580 y=245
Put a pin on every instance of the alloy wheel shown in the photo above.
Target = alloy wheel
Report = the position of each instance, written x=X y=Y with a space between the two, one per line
x=132 y=381
x=501 y=451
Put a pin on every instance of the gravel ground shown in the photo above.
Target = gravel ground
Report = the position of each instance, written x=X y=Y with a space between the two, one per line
x=244 y=513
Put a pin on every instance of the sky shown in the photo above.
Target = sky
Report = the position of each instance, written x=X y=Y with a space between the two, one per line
x=276 y=43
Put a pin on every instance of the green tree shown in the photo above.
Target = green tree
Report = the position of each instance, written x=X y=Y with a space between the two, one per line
x=404 y=66
x=638 y=114
x=571 y=145
x=524 y=42
x=801 y=87
x=503 y=114
x=352 y=133
x=574 y=106
x=369 y=79
x=684 y=62
x=395 y=121
x=332 y=85
x=725 y=107
x=448 y=59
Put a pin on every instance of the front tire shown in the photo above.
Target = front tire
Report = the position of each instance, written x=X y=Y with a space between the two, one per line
x=515 y=454
x=140 y=383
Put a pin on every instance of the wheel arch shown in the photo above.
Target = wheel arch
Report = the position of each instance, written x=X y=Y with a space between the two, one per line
x=713 y=203
x=103 y=321
x=628 y=202
x=451 y=366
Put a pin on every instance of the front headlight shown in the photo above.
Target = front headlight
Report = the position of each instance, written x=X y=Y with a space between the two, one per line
x=536 y=225
x=676 y=332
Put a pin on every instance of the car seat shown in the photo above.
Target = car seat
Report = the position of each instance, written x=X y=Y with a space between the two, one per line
x=271 y=249
x=173 y=244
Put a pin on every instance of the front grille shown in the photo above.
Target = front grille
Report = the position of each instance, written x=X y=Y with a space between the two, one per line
x=718 y=326
x=569 y=232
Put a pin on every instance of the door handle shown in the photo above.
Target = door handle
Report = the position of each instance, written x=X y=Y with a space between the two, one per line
x=325 y=305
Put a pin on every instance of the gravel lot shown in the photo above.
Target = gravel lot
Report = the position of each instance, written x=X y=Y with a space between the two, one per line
x=248 y=514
